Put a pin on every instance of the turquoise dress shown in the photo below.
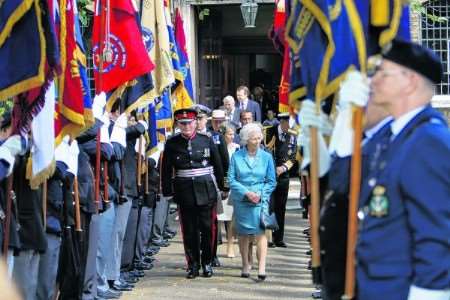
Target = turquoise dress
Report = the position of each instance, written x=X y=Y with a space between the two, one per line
x=255 y=175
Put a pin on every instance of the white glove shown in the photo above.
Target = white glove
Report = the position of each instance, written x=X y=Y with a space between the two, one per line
x=143 y=123
x=304 y=140
x=62 y=151
x=354 y=90
x=122 y=121
x=73 y=158
x=104 y=130
x=309 y=118
x=136 y=147
x=14 y=145
x=118 y=133
x=341 y=141
x=98 y=105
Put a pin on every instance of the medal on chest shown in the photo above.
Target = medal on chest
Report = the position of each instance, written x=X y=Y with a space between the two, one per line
x=379 y=203
x=206 y=152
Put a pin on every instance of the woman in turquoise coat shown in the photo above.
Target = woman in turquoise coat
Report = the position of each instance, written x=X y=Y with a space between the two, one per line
x=251 y=177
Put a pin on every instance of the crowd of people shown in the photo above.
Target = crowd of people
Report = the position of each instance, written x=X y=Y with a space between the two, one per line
x=229 y=166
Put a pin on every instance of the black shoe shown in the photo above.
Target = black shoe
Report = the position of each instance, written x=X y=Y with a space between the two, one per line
x=306 y=231
x=309 y=252
x=128 y=278
x=143 y=266
x=245 y=275
x=153 y=247
x=281 y=244
x=163 y=243
x=148 y=259
x=150 y=252
x=207 y=270
x=109 y=294
x=309 y=265
x=215 y=262
x=262 y=277
x=317 y=294
x=121 y=286
x=271 y=245
x=167 y=236
x=192 y=273
x=130 y=284
x=137 y=273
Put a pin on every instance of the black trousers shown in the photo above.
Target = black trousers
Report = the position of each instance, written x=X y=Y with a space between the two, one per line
x=198 y=227
x=279 y=207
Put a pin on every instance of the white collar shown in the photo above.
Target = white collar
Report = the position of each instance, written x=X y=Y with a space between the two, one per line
x=400 y=123
x=373 y=130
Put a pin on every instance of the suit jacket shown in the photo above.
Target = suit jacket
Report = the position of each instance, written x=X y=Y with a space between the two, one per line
x=255 y=108
x=404 y=230
x=235 y=118
x=244 y=176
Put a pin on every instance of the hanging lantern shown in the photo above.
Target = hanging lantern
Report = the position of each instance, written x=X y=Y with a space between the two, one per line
x=249 y=8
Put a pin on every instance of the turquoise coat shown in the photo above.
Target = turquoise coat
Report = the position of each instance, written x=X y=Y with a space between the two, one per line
x=257 y=176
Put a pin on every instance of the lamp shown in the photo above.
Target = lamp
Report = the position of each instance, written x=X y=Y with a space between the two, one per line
x=249 y=8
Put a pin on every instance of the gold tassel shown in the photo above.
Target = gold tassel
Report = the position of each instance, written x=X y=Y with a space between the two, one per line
x=379 y=13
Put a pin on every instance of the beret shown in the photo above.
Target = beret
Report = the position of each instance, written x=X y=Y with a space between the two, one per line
x=415 y=57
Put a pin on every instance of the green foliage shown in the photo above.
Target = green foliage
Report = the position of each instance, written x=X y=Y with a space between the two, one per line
x=6 y=105
x=203 y=13
x=84 y=12
x=417 y=6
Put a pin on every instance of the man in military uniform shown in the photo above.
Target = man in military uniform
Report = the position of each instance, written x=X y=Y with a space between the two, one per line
x=404 y=212
x=282 y=144
x=192 y=173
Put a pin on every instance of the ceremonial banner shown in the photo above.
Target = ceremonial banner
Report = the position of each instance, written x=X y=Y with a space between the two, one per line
x=156 y=37
x=137 y=93
x=72 y=93
x=183 y=93
x=122 y=47
x=22 y=47
x=164 y=111
x=41 y=164
x=152 y=130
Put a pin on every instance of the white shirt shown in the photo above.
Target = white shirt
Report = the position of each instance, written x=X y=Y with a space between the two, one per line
x=243 y=104
x=400 y=123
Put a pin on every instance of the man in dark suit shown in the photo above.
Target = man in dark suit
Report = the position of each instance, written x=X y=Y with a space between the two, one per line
x=191 y=173
x=242 y=94
x=283 y=146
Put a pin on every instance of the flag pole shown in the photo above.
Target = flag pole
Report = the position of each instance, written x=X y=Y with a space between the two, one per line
x=315 y=207
x=356 y=161
x=355 y=184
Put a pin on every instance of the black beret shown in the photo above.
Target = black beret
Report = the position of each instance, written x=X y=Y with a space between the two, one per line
x=416 y=57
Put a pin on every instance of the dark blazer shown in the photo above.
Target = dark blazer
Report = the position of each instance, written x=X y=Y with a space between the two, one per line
x=235 y=119
x=130 y=160
x=255 y=108
x=29 y=205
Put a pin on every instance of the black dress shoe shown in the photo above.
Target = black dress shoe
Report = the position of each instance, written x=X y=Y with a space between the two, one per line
x=163 y=243
x=309 y=252
x=245 y=275
x=262 y=277
x=143 y=266
x=207 y=270
x=281 y=244
x=192 y=273
x=215 y=262
x=148 y=259
x=131 y=285
x=271 y=245
x=128 y=278
x=138 y=273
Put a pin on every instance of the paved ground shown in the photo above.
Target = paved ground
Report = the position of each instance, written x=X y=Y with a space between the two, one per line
x=287 y=276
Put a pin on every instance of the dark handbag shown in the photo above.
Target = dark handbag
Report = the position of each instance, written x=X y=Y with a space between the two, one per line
x=268 y=221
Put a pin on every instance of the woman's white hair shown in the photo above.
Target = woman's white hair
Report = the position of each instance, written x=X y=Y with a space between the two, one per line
x=249 y=130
